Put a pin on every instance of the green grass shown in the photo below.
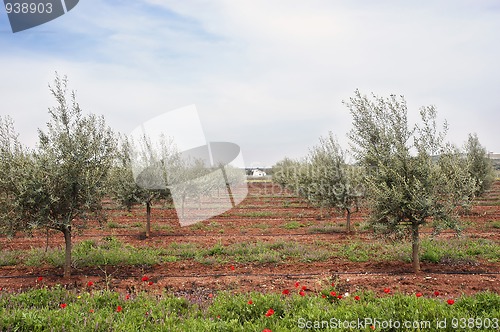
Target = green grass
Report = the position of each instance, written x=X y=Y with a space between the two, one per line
x=9 y=257
x=113 y=252
x=255 y=214
x=162 y=227
x=262 y=226
x=113 y=224
x=456 y=251
x=257 y=252
x=213 y=225
x=330 y=228
x=459 y=251
x=38 y=257
x=110 y=251
x=495 y=224
x=240 y=252
x=199 y=227
x=363 y=226
x=276 y=252
x=356 y=251
x=293 y=225
x=40 y=310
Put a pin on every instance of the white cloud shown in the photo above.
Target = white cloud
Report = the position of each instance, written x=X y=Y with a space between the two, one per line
x=268 y=75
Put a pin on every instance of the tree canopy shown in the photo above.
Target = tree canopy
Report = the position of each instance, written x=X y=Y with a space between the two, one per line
x=64 y=176
x=415 y=176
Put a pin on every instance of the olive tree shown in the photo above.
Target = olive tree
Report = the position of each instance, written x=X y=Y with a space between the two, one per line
x=282 y=172
x=295 y=175
x=71 y=165
x=191 y=178
x=324 y=178
x=126 y=190
x=16 y=167
x=414 y=175
x=480 y=166
x=333 y=183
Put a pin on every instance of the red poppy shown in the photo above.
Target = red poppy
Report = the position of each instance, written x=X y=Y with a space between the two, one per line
x=302 y=293
x=436 y=293
x=357 y=298
x=270 y=312
x=250 y=302
x=145 y=278
x=286 y=292
x=39 y=279
x=304 y=287
x=63 y=305
x=339 y=297
x=297 y=284
x=333 y=284
x=418 y=294
x=150 y=283
x=387 y=290
x=323 y=296
x=372 y=327
x=267 y=330
x=90 y=284
x=232 y=267
x=91 y=311
x=119 y=308
x=127 y=297
x=332 y=293
x=210 y=295
x=450 y=301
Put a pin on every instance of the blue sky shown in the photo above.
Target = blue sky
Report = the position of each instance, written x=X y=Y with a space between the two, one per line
x=267 y=75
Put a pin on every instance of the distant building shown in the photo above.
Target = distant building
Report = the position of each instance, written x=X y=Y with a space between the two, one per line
x=258 y=172
x=495 y=160
x=493 y=155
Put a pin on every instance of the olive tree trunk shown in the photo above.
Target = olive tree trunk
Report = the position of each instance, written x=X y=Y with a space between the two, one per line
x=148 y=219
x=415 y=247
x=67 y=252
x=348 y=221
